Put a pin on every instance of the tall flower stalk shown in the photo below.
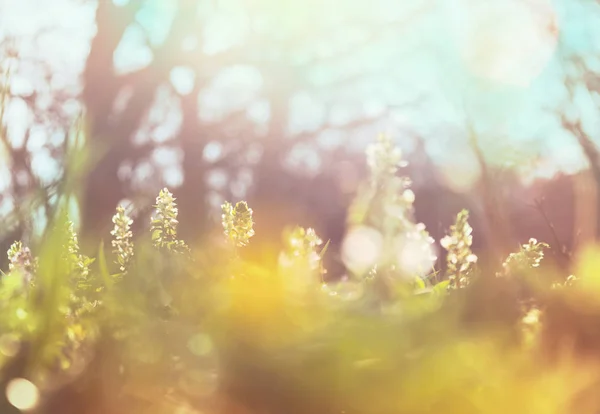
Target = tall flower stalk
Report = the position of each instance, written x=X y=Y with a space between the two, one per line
x=79 y=269
x=164 y=224
x=529 y=256
x=385 y=206
x=237 y=222
x=122 y=242
x=460 y=259
x=301 y=248
x=79 y=264
x=22 y=261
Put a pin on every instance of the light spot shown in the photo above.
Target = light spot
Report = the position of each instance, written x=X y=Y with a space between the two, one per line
x=22 y=394
x=460 y=172
x=200 y=345
x=361 y=249
x=167 y=156
x=132 y=53
x=21 y=313
x=173 y=176
x=532 y=317
x=416 y=256
x=233 y=88
x=305 y=158
x=182 y=78
x=307 y=113
x=212 y=151
x=508 y=42
x=20 y=117
x=349 y=290
x=217 y=179
x=224 y=30
x=259 y=111
x=9 y=345
x=44 y=166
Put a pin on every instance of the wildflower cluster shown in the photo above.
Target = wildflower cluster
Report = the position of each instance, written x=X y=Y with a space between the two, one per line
x=78 y=301
x=164 y=224
x=383 y=158
x=460 y=259
x=78 y=263
x=415 y=253
x=301 y=244
x=570 y=281
x=529 y=256
x=237 y=223
x=21 y=260
x=271 y=310
x=393 y=199
x=385 y=204
x=122 y=243
x=79 y=270
x=15 y=304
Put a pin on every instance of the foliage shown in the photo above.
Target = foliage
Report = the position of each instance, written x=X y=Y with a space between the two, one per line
x=237 y=333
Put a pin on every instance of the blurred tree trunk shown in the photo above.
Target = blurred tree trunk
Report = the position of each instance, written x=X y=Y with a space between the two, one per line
x=593 y=156
x=192 y=193
x=500 y=239
x=110 y=134
x=108 y=141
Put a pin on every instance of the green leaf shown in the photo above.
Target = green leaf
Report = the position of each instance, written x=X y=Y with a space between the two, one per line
x=441 y=288
x=324 y=249
x=419 y=283
x=156 y=234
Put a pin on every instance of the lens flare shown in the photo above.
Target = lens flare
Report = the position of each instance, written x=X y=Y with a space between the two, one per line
x=416 y=256
x=508 y=42
x=361 y=249
x=9 y=345
x=22 y=394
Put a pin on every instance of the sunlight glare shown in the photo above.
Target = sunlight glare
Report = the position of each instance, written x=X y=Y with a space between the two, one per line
x=361 y=248
x=416 y=256
x=22 y=394
x=508 y=42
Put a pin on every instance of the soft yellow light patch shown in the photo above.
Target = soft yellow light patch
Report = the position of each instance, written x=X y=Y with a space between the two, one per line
x=585 y=293
x=587 y=268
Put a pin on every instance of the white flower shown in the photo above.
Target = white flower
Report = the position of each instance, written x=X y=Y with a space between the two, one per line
x=447 y=241
x=460 y=259
x=122 y=244
x=408 y=196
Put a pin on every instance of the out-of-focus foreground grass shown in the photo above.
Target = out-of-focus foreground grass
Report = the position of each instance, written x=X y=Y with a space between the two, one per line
x=152 y=325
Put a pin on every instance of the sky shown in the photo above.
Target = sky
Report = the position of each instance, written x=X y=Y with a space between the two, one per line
x=499 y=65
